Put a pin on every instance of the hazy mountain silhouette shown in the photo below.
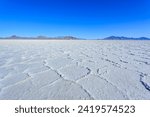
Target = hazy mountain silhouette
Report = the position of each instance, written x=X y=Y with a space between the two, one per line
x=41 y=37
x=125 y=38
x=73 y=38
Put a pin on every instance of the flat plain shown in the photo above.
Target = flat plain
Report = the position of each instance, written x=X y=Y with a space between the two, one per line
x=74 y=69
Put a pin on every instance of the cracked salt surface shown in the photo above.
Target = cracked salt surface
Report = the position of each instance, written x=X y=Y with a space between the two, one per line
x=72 y=69
x=74 y=72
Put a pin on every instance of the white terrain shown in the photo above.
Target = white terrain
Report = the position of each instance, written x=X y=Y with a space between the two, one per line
x=74 y=69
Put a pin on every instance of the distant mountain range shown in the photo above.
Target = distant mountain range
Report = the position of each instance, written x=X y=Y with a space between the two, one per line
x=73 y=38
x=41 y=37
x=125 y=38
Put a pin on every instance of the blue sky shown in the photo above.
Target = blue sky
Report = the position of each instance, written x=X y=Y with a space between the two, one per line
x=80 y=18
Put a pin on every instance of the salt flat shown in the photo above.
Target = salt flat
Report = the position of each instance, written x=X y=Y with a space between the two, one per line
x=74 y=69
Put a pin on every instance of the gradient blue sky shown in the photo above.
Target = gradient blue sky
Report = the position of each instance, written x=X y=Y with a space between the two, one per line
x=80 y=18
